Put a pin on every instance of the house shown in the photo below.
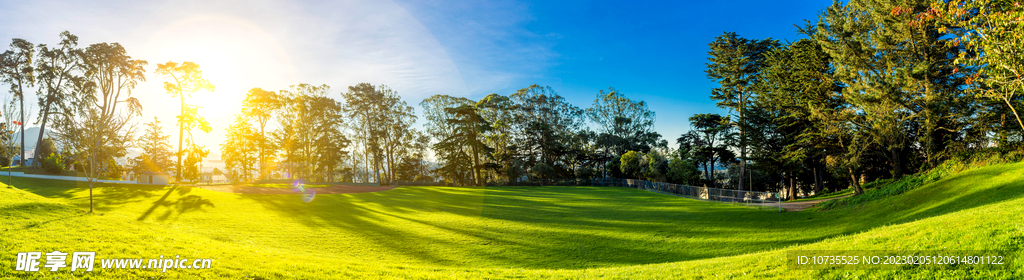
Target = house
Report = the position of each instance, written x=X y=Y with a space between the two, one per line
x=17 y=160
x=155 y=178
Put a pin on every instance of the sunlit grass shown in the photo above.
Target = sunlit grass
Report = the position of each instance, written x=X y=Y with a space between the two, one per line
x=500 y=232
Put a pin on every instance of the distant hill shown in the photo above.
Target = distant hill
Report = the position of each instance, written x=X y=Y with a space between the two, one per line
x=31 y=135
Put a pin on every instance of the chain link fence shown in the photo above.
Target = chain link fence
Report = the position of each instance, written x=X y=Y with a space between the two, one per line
x=737 y=197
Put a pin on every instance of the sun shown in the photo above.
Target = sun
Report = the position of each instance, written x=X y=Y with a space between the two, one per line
x=235 y=55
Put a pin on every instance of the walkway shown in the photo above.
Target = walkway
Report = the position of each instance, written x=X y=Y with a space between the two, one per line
x=801 y=205
x=64 y=178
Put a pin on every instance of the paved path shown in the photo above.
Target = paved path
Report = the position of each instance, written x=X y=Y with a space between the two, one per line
x=319 y=190
x=801 y=205
x=65 y=178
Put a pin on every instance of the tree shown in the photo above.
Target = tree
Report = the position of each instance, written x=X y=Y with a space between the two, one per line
x=188 y=79
x=260 y=105
x=624 y=124
x=156 y=150
x=310 y=132
x=469 y=127
x=545 y=123
x=16 y=70
x=629 y=164
x=500 y=114
x=9 y=144
x=988 y=33
x=711 y=141
x=899 y=71
x=382 y=119
x=796 y=83
x=60 y=73
x=453 y=159
x=681 y=171
x=239 y=150
x=734 y=64
x=96 y=129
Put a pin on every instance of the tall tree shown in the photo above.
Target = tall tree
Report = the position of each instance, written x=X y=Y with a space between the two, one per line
x=546 y=123
x=734 y=63
x=260 y=105
x=899 y=71
x=60 y=71
x=624 y=124
x=467 y=138
x=796 y=81
x=97 y=128
x=187 y=79
x=382 y=119
x=16 y=70
x=310 y=132
x=453 y=159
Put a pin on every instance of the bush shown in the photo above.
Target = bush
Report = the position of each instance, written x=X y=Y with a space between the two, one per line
x=958 y=163
x=52 y=164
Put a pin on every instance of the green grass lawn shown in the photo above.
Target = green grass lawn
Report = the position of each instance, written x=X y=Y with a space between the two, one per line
x=288 y=186
x=501 y=232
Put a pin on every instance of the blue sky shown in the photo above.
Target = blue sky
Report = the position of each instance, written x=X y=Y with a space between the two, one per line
x=652 y=51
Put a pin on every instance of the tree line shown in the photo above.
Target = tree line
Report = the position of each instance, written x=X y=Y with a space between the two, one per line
x=366 y=134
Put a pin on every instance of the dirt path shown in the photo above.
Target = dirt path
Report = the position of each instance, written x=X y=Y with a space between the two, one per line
x=319 y=190
x=801 y=205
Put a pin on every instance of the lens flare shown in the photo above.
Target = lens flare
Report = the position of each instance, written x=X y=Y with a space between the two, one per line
x=308 y=195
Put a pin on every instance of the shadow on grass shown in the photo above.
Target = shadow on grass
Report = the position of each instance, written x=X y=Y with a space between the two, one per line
x=184 y=204
x=537 y=227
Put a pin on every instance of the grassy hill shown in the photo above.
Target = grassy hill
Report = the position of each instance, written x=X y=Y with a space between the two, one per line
x=502 y=232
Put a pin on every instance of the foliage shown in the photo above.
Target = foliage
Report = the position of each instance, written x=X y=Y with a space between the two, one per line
x=629 y=164
x=382 y=121
x=52 y=164
x=624 y=124
x=156 y=150
x=259 y=105
x=240 y=150
x=734 y=62
x=310 y=132
x=96 y=125
x=988 y=34
x=958 y=164
x=684 y=172
x=61 y=71
x=193 y=156
x=185 y=79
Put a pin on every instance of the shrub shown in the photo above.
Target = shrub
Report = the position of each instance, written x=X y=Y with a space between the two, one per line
x=955 y=164
x=52 y=164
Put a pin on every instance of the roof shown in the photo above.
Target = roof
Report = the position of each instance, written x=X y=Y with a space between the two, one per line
x=155 y=173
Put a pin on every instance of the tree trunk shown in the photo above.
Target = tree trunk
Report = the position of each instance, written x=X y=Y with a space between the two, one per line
x=476 y=167
x=181 y=134
x=21 y=116
x=42 y=131
x=1014 y=113
x=743 y=145
x=897 y=171
x=817 y=180
x=792 y=187
x=856 y=183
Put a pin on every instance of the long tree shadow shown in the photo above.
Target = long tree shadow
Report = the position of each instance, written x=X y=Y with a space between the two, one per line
x=182 y=205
